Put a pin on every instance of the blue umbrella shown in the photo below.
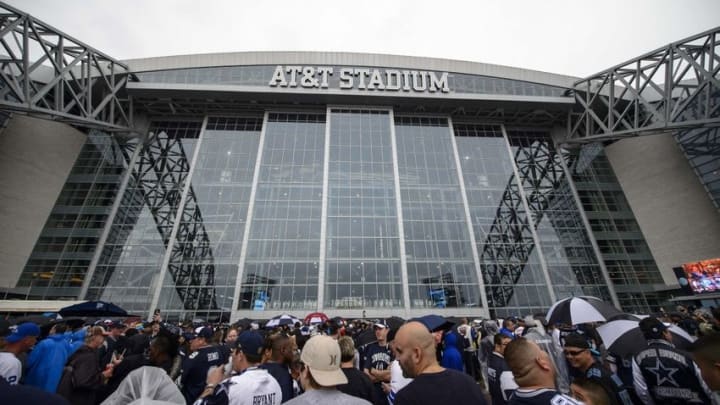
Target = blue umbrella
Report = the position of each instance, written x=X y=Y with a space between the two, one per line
x=93 y=308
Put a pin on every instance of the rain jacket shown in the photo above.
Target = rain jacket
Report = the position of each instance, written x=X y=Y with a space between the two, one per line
x=46 y=361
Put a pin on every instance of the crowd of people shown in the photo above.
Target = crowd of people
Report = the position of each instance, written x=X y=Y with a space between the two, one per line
x=425 y=360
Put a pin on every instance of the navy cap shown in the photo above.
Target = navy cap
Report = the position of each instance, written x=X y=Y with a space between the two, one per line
x=205 y=332
x=250 y=342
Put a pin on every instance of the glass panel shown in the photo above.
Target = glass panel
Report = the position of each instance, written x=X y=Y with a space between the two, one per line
x=440 y=264
x=204 y=263
x=363 y=258
x=282 y=266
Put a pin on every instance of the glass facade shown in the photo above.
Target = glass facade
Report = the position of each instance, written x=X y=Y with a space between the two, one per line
x=347 y=208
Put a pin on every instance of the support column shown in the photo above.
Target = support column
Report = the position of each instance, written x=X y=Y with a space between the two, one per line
x=536 y=239
x=176 y=223
x=248 y=219
x=468 y=221
x=398 y=208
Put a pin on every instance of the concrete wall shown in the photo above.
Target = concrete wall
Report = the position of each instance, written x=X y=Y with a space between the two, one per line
x=670 y=204
x=36 y=157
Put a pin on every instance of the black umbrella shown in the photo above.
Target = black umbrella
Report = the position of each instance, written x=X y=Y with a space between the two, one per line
x=624 y=338
x=577 y=310
x=93 y=308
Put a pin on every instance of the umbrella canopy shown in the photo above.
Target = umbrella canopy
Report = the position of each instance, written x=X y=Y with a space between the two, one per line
x=93 y=308
x=624 y=338
x=577 y=310
x=315 y=317
x=281 y=320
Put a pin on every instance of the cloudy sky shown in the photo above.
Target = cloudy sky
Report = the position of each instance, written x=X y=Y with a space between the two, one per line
x=573 y=37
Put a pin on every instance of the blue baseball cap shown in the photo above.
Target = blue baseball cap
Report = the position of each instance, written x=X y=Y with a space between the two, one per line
x=22 y=331
x=250 y=342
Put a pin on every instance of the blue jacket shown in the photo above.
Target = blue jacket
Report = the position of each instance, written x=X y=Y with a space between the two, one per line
x=46 y=361
x=451 y=357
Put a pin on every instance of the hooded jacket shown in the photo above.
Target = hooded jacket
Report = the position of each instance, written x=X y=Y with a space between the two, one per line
x=46 y=361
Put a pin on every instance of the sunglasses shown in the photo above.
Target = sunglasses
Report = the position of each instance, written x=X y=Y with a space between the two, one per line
x=573 y=353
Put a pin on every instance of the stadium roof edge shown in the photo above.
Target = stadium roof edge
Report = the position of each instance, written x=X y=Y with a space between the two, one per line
x=347 y=59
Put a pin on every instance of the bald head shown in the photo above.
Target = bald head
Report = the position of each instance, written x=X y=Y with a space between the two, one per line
x=530 y=365
x=415 y=349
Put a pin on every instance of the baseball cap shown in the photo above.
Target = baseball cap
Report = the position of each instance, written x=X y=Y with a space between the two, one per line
x=380 y=323
x=576 y=340
x=321 y=355
x=205 y=332
x=116 y=325
x=652 y=328
x=22 y=331
x=250 y=342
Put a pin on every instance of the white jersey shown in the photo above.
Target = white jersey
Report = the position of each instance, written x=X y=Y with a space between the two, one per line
x=10 y=368
x=255 y=386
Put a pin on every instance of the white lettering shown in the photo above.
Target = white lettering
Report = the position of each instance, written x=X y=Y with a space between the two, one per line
x=406 y=80
x=439 y=84
x=308 y=79
x=324 y=72
x=421 y=83
x=393 y=80
x=376 y=81
x=293 y=70
x=346 y=78
x=278 y=77
x=362 y=74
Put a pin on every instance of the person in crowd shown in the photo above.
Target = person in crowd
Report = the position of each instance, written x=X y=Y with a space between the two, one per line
x=251 y=385
x=46 y=361
x=21 y=339
x=196 y=365
x=415 y=348
x=451 y=357
x=322 y=374
x=664 y=374
x=508 y=327
x=534 y=374
x=706 y=353
x=161 y=354
x=231 y=336
x=397 y=380
x=469 y=349
x=501 y=383
x=82 y=376
x=279 y=354
x=487 y=345
x=581 y=360
x=535 y=331
x=359 y=384
x=139 y=343
x=377 y=358
x=590 y=392
x=112 y=348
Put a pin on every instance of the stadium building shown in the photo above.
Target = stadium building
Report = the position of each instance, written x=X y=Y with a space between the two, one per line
x=252 y=184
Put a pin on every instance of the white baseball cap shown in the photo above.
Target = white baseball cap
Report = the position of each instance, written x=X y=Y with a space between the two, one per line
x=321 y=355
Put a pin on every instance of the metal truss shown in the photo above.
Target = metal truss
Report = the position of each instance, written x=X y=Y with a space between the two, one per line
x=164 y=170
x=45 y=72
x=509 y=243
x=673 y=88
x=160 y=173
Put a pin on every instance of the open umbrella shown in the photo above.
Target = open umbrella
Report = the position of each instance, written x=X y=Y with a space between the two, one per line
x=281 y=320
x=577 y=310
x=315 y=317
x=93 y=308
x=624 y=338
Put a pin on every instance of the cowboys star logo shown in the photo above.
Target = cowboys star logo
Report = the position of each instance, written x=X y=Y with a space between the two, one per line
x=663 y=373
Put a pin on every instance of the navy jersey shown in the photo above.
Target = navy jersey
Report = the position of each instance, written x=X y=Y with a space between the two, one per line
x=195 y=368
x=377 y=357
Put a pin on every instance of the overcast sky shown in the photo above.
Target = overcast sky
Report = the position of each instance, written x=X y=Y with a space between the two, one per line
x=573 y=37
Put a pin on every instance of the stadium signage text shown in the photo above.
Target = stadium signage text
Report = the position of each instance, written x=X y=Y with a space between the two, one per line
x=360 y=78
